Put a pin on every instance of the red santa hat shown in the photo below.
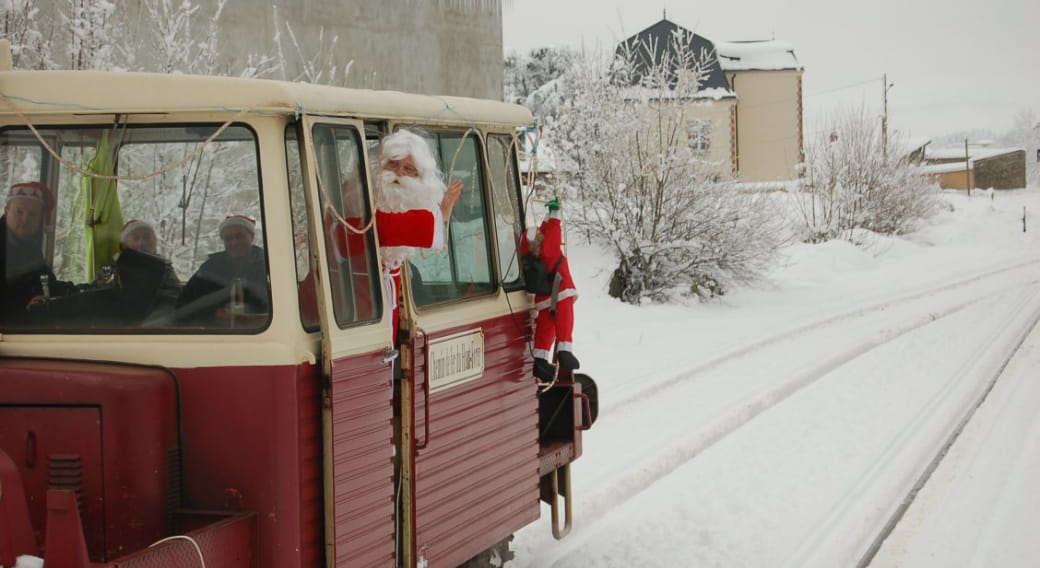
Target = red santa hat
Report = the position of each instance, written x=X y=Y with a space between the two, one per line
x=32 y=190
x=247 y=223
x=133 y=225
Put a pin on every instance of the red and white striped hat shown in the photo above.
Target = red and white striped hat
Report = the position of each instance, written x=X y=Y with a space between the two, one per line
x=247 y=223
x=32 y=190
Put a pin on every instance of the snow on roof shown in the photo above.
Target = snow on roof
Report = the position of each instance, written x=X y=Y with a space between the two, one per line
x=943 y=168
x=916 y=142
x=756 y=55
x=974 y=153
x=643 y=93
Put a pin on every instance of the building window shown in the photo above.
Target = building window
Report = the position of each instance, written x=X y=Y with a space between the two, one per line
x=699 y=136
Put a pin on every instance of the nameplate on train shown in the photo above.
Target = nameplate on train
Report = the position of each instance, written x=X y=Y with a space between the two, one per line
x=456 y=358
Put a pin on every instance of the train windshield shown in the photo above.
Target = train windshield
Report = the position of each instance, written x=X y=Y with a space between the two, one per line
x=142 y=228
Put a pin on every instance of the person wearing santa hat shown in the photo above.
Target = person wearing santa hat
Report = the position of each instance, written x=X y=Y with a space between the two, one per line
x=25 y=276
x=230 y=280
x=162 y=287
x=140 y=236
x=412 y=205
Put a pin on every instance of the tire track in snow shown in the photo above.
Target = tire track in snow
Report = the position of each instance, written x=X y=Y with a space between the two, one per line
x=1013 y=339
x=677 y=379
x=842 y=511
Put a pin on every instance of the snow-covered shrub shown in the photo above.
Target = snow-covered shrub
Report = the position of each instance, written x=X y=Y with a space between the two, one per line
x=1025 y=133
x=854 y=179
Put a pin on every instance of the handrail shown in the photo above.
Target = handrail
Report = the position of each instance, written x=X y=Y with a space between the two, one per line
x=426 y=388
x=563 y=472
x=586 y=410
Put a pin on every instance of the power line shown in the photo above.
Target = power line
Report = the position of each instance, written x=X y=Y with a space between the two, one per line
x=843 y=87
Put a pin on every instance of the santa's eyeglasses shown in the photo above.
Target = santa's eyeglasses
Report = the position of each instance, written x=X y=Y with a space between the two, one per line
x=402 y=168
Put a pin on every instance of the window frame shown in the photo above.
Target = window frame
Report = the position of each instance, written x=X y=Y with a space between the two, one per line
x=373 y=272
x=50 y=172
x=515 y=193
x=443 y=156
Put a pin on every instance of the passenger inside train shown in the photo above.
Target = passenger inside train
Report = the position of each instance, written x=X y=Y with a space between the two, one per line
x=232 y=284
x=26 y=277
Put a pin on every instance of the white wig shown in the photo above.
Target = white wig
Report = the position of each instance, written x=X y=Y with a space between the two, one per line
x=404 y=143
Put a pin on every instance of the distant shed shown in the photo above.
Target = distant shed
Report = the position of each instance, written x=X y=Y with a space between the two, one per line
x=983 y=167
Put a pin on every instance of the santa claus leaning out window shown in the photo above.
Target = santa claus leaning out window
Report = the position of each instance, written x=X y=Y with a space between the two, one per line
x=411 y=205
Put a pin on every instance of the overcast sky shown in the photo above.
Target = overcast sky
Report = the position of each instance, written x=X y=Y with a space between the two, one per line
x=956 y=65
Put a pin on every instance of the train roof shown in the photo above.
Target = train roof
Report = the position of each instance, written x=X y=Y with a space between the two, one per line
x=88 y=92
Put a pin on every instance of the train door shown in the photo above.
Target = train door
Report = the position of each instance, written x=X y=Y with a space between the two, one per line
x=473 y=401
x=356 y=347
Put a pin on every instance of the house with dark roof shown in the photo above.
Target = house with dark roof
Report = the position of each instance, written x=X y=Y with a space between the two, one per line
x=748 y=110
x=655 y=44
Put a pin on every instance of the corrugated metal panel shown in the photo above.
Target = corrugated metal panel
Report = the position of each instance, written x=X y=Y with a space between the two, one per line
x=477 y=479
x=362 y=431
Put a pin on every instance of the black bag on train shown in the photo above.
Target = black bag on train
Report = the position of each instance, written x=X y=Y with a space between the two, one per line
x=537 y=278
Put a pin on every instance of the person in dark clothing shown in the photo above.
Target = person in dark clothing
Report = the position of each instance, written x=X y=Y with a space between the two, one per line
x=25 y=276
x=231 y=283
x=148 y=285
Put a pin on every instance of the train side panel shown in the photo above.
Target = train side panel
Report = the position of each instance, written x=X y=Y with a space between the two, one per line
x=477 y=477
x=251 y=439
x=362 y=461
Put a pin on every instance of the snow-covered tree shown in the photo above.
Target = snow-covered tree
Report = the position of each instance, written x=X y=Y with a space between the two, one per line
x=524 y=74
x=853 y=179
x=634 y=180
x=317 y=64
x=1025 y=133
x=533 y=79
x=30 y=48
x=92 y=25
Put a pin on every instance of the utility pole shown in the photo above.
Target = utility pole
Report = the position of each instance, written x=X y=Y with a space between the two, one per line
x=885 y=86
x=968 y=182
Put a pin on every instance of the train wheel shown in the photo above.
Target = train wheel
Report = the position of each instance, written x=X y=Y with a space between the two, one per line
x=494 y=557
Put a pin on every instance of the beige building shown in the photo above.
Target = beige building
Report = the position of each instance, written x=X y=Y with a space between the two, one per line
x=748 y=113
x=767 y=80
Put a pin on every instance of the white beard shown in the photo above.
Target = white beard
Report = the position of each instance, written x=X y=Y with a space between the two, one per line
x=400 y=194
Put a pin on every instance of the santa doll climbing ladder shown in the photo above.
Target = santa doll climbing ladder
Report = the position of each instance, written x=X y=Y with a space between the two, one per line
x=554 y=319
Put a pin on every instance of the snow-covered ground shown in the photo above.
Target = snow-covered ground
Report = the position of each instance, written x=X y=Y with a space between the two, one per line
x=785 y=424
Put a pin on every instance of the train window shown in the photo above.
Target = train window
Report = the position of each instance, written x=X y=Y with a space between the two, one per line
x=505 y=200
x=347 y=215
x=463 y=268
x=178 y=182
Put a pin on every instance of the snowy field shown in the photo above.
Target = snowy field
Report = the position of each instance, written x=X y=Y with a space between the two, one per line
x=785 y=424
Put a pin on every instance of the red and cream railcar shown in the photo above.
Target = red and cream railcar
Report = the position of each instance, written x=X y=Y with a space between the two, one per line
x=134 y=433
